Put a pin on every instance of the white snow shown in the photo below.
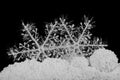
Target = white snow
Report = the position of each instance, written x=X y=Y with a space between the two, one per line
x=49 y=70
x=104 y=60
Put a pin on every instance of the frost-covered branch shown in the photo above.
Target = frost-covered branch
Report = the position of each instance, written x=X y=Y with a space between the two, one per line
x=65 y=24
x=31 y=38
x=31 y=31
x=60 y=34
x=85 y=27
x=49 y=31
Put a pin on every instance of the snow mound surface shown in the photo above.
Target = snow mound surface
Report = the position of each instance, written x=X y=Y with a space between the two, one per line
x=33 y=70
x=50 y=69
x=104 y=60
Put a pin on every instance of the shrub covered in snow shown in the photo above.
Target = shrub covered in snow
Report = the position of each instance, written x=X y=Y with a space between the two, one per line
x=104 y=60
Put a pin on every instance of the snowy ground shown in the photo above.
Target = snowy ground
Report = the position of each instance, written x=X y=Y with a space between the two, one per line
x=50 y=69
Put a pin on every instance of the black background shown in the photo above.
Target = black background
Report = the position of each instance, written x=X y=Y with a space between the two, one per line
x=12 y=16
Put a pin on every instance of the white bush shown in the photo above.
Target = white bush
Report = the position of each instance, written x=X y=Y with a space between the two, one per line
x=104 y=60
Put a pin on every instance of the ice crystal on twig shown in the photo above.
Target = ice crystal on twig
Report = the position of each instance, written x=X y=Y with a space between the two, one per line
x=62 y=38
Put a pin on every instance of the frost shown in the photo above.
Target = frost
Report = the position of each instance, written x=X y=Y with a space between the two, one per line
x=50 y=55
x=62 y=39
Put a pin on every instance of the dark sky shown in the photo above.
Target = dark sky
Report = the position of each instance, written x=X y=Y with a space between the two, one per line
x=106 y=17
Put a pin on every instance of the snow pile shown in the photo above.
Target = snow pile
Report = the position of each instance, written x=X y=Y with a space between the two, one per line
x=80 y=62
x=104 y=60
x=33 y=70
x=51 y=69
x=20 y=71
